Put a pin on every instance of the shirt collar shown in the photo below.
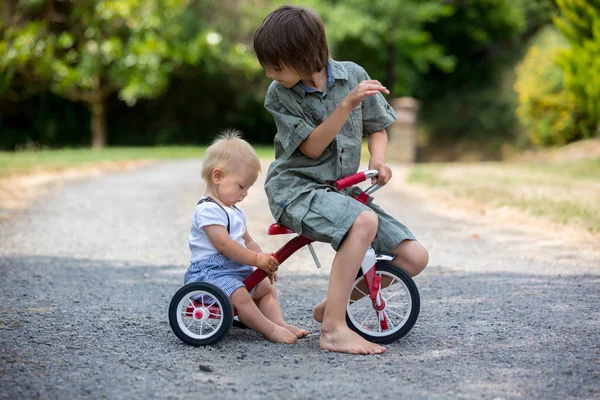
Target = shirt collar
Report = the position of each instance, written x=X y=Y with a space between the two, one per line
x=334 y=71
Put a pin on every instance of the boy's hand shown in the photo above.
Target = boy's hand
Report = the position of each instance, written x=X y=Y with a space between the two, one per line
x=362 y=90
x=385 y=172
x=267 y=263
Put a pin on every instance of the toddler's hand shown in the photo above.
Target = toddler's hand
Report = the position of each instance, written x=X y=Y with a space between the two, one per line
x=362 y=90
x=273 y=277
x=267 y=262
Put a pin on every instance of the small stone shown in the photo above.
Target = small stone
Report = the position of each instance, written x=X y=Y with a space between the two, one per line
x=205 y=368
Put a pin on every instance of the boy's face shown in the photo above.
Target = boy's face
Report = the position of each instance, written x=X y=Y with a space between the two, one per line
x=231 y=187
x=286 y=76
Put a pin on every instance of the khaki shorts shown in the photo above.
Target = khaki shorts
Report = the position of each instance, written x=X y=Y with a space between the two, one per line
x=330 y=216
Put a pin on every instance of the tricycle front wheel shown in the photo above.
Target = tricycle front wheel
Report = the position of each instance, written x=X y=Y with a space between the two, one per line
x=401 y=306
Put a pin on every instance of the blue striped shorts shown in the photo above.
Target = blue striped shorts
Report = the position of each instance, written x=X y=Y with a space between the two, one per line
x=226 y=274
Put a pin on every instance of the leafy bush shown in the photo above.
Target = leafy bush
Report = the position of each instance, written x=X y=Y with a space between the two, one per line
x=546 y=108
x=580 y=23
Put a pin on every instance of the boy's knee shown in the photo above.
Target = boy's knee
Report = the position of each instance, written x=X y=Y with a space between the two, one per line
x=418 y=259
x=366 y=224
x=412 y=257
x=421 y=260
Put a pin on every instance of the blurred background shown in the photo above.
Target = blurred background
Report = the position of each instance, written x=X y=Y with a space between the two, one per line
x=490 y=76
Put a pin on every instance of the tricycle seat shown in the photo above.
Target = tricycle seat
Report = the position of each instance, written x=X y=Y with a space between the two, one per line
x=276 y=229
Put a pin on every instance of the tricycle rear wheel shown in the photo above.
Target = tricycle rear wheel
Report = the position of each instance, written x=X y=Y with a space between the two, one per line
x=200 y=314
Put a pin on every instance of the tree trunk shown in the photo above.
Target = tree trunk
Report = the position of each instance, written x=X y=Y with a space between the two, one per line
x=391 y=68
x=98 y=111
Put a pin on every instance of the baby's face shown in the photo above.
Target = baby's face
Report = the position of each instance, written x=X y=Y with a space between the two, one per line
x=286 y=76
x=234 y=185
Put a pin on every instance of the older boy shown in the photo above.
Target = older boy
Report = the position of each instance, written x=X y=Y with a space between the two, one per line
x=321 y=109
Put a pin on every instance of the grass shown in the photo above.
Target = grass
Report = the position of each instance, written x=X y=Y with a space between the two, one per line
x=564 y=192
x=27 y=162
x=567 y=192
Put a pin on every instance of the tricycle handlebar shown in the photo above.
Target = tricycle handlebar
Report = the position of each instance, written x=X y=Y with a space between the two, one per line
x=355 y=178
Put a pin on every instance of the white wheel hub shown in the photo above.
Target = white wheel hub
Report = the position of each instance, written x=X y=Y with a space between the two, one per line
x=201 y=314
x=198 y=323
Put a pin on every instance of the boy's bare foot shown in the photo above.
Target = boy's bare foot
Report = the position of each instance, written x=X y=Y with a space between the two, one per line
x=299 y=332
x=346 y=341
x=319 y=311
x=281 y=335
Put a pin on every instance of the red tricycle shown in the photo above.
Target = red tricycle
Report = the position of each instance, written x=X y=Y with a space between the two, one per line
x=383 y=305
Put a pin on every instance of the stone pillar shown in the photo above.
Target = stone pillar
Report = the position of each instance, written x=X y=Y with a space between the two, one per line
x=402 y=134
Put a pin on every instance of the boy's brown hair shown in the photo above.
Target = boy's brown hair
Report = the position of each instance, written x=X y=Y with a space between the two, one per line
x=293 y=37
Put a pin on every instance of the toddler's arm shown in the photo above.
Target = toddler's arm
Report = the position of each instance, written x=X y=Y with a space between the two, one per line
x=318 y=140
x=251 y=244
x=220 y=238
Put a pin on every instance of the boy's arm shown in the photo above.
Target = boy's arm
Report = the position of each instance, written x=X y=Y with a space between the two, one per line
x=377 y=143
x=220 y=239
x=318 y=140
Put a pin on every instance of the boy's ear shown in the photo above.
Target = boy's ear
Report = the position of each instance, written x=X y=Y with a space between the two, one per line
x=217 y=176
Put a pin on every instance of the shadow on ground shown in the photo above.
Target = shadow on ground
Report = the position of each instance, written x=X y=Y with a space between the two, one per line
x=66 y=323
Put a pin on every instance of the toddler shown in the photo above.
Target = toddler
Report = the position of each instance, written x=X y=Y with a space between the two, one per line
x=223 y=252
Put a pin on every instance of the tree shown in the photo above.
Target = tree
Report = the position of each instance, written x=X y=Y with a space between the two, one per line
x=86 y=50
x=387 y=37
x=474 y=106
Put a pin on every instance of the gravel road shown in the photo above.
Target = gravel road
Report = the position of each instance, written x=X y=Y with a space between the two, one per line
x=88 y=270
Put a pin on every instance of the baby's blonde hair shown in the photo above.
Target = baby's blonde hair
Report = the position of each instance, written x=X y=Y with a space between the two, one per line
x=228 y=152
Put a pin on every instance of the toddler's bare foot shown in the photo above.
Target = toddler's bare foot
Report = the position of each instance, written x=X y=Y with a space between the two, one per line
x=319 y=311
x=281 y=335
x=299 y=332
x=346 y=341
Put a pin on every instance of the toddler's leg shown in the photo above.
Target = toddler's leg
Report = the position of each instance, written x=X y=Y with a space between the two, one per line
x=251 y=316
x=268 y=304
x=335 y=334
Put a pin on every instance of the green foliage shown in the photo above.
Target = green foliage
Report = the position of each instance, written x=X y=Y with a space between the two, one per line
x=546 y=108
x=538 y=13
x=44 y=119
x=388 y=37
x=199 y=103
x=178 y=71
x=131 y=47
x=117 y=41
x=579 y=21
x=476 y=102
